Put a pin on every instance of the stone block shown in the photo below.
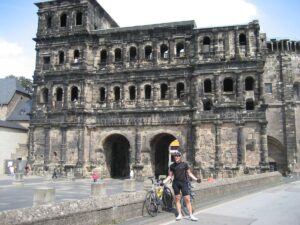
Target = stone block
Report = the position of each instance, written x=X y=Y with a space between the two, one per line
x=129 y=185
x=98 y=189
x=147 y=184
x=19 y=179
x=43 y=196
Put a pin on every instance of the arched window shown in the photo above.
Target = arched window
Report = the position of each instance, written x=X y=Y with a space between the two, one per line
x=103 y=56
x=76 y=55
x=78 y=18
x=164 y=51
x=242 y=39
x=296 y=92
x=249 y=84
x=59 y=94
x=63 y=20
x=118 y=55
x=44 y=95
x=180 y=90
x=180 y=49
x=61 y=57
x=207 y=86
x=132 y=54
x=132 y=92
x=206 y=44
x=49 y=21
x=163 y=91
x=249 y=104
x=148 y=91
x=74 y=94
x=148 y=52
x=102 y=94
x=207 y=105
x=228 y=85
x=117 y=93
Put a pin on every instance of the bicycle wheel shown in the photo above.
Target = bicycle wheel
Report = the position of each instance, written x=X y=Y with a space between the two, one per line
x=184 y=209
x=167 y=198
x=150 y=204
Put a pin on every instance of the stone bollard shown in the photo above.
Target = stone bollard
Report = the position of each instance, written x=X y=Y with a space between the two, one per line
x=19 y=179
x=43 y=196
x=129 y=185
x=98 y=189
x=147 y=184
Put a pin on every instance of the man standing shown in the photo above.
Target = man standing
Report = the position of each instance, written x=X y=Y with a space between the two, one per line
x=180 y=172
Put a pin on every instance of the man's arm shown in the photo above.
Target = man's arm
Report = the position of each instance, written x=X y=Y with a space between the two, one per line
x=191 y=175
x=169 y=177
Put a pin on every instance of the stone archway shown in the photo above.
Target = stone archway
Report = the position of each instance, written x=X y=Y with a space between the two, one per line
x=160 y=153
x=116 y=148
x=277 y=156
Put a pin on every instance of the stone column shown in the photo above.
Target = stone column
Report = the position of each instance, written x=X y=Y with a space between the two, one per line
x=264 y=145
x=240 y=145
x=98 y=189
x=80 y=144
x=43 y=196
x=218 y=156
x=65 y=100
x=31 y=157
x=63 y=148
x=47 y=145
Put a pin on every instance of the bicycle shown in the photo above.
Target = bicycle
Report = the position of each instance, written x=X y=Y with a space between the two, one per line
x=158 y=195
x=184 y=209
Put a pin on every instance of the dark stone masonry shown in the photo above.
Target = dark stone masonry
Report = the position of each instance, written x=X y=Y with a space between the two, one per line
x=114 y=98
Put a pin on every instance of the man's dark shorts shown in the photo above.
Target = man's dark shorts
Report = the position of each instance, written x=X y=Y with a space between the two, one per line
x=180 y=186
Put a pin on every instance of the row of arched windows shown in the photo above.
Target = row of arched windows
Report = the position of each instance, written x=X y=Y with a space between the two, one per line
x=63 y=20
x=44 y=95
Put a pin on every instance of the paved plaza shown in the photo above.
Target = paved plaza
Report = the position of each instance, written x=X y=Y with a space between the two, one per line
x=14 y=196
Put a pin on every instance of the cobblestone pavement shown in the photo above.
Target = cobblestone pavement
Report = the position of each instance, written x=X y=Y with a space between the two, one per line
x=13 y=196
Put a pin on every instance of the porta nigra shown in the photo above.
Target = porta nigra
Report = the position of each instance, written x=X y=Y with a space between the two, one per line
x=114 y=98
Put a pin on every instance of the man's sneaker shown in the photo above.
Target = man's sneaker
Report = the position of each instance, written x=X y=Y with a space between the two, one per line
x=193 y=218
x=179 y=217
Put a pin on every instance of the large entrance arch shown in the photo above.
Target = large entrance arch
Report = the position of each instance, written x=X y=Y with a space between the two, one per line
x=160 y=153
x=277 y=156
x=116 y=149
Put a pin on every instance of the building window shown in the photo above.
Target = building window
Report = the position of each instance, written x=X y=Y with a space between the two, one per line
x=118 y=55
x=117 y=93
x=180 y=49
x=46 y=60
x=76 y=56
x=79 y=18
x=207 y=105
x=49 y=22
x=61 y=57
x=132 y=93
x=268 y=88
x=228 y=85
x=148 y=91
x=249 y=84
x=242 y=39
x=59 y=94
x=206 y=44
x=44 y=95
x=63 y=20
x=164 y=51
x=102 y=94
x=249 y=104
x=296 y=92
x=132 y=54
x=148 y=52
x=163 y=91
x=74 y=94
x=207 y=86
x=180 y=90
x=103 y=56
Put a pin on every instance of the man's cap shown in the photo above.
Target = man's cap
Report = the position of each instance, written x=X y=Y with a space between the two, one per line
x=178 y=152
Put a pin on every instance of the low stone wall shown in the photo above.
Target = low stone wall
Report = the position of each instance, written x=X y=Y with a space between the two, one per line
x=122 y=206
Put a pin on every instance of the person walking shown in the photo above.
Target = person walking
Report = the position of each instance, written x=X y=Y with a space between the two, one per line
x=54 y=175
x=180 y=172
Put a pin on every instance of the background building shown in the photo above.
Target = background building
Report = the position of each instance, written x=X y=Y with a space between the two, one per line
x=115 y=98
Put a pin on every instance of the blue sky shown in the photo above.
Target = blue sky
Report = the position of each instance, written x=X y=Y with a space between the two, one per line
x=18 y=21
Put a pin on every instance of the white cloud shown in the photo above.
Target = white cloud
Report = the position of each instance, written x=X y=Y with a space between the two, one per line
x=205 y=12
x=14 y=60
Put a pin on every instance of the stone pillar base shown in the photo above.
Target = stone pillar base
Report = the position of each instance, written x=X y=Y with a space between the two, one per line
x=98 y=189
x=19 y=179
x=129 y=185
x=43 y=196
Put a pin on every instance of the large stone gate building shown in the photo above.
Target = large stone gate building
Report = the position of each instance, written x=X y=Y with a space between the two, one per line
x=115 y=98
